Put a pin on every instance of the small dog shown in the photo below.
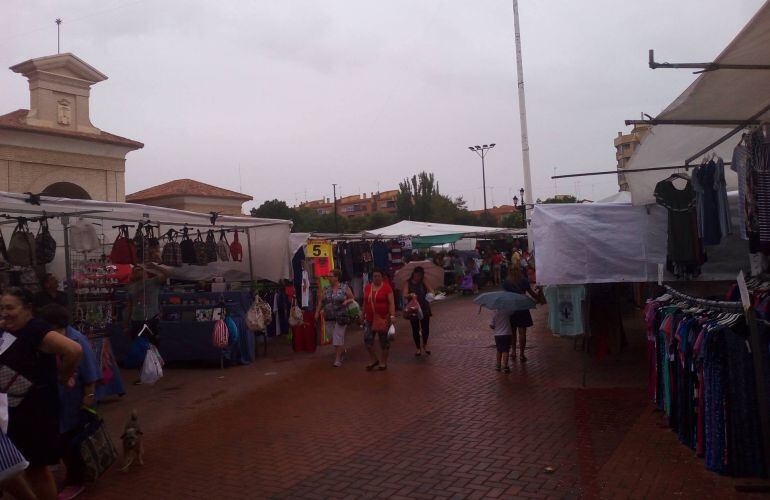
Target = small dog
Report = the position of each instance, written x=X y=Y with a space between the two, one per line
x=133 y=448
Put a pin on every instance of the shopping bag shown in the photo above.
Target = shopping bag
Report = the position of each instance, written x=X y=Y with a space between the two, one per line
x=94 y=446
x=413 y=310
x=392 y=333
x=152 y=369
x=136 y=354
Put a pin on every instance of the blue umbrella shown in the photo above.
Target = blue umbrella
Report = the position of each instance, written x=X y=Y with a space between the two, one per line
x=505 y=301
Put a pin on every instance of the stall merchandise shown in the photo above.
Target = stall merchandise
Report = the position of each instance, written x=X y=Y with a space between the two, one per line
x=702 y=375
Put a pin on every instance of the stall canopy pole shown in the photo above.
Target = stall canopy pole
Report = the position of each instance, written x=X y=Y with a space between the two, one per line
x=710 y=66
x=604 y=172
x=726 y=136
x=65 y=222
x=251 y=263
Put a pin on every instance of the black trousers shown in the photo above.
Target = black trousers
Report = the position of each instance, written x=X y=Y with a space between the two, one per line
x=416 y=324
x=75 y=467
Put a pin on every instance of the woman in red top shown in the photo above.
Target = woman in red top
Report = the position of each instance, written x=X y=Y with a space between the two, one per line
x=379 y=311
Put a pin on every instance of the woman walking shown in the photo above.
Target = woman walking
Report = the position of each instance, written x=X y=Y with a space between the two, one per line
x=379 y=312
x=33 y=395
x=417 y=288
x=517 y=282
x=334 y=300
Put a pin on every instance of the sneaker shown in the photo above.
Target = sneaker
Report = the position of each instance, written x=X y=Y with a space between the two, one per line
x=507 y=369
x=70 y=492
x=497 y=368
x=337 y=364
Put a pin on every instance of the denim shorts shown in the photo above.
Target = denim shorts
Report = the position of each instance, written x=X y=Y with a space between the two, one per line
x=369 y=337
x=503 y=342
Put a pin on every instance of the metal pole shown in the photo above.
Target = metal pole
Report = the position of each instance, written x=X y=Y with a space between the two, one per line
x=65 y=222
x=484 y=180
x=58 y=35
x=523 y=120
x=336 y=228
x=251 y=262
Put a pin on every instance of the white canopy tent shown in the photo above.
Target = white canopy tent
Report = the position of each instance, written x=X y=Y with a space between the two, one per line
x=725 y=95
x=425 y=229
x=265 y=241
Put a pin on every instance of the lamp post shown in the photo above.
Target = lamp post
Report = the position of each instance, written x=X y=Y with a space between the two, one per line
x=521 y=207
x=336 y=228
x=482 y=152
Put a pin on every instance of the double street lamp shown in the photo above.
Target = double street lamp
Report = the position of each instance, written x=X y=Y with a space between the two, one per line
x=522 y=207
x=482 y=152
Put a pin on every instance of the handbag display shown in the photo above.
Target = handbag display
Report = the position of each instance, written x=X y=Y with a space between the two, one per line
x=220 y=337
x=45 y=245
x=123 y=250
x=94 y=446
x=201 y=256
x=295 y=314
x=187 y=248
x=21 y=249
x=223 y=247
x=236 y=249
x=211 y=246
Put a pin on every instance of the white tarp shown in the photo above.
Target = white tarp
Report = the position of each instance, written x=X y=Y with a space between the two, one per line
x=425 y=229
x=731 y=94
x=722 y=94
x=610 y=243
x=269 y=237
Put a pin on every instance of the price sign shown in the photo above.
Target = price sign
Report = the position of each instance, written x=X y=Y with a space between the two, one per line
x=317 y=249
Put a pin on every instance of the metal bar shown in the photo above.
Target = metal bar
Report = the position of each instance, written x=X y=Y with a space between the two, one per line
x=251 y=261
x=709 y=66
x=726 y=136
x=655 y=121
x=606 y=172
x=65 y=221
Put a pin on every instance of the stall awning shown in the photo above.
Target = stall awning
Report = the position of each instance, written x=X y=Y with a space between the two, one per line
x=416 y=229
x=717 y=94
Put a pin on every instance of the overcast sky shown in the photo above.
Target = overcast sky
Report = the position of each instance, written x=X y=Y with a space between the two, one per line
x=303 y=93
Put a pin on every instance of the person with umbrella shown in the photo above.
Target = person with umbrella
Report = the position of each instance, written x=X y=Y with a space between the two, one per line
x=504 y=305
x=518 y=283
x=416 y=287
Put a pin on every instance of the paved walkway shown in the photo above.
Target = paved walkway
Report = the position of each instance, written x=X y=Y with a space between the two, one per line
x=291 y=426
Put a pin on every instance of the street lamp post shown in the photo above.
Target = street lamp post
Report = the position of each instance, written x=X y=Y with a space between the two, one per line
x=336 y=228
x=482 y=152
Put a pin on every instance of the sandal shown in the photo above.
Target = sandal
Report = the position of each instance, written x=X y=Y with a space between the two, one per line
x=427 y=352
x=418 y=354
x=372 y=366
x=382 y=368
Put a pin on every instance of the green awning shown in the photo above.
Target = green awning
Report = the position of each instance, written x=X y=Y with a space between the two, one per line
x=429 y=241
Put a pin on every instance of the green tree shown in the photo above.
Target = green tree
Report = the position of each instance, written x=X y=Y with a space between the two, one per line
x=415 y=197
x=274 y=209
x=562 y=198
x=513 y=220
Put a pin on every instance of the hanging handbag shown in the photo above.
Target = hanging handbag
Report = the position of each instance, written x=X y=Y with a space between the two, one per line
x=140 y=243
x=45 y=245
x=94 y=446
x=233 y=329
x=201 y=257
x=211 y=246
x=187 y=248
x=4 y=264
x=21 y=249
x=223 y=247
x=83 y=237
x=259 y=315
x=220 y=336
x=123 y=249
x=236 y=249
x=172 y=252
x=295 y=314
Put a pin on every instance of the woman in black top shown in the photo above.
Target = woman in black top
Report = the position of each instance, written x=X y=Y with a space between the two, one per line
x=416 y=287
x=29 y=375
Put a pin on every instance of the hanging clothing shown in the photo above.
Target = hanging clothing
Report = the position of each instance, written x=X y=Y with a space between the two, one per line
x=683 y=246
x=739 y=165
x=709 y=184
x=565 y=309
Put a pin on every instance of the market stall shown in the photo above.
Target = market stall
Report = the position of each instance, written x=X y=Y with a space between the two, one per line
x=226 y=256
x=708 y=357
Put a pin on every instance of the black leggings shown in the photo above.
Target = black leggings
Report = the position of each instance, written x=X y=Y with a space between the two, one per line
x=416 y=324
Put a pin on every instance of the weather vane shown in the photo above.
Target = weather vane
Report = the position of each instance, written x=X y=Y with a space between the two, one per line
x=58 y=35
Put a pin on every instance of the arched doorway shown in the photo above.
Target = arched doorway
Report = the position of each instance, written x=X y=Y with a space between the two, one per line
x=66 y=190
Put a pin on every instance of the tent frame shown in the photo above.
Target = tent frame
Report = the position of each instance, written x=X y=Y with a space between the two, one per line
x=710 y=66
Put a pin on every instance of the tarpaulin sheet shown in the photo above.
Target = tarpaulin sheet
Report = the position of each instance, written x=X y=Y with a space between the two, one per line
x=611 y=243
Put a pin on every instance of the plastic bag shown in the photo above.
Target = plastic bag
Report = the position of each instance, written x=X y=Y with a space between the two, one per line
x=152 y=369
x=392 y=332
x=413 y=310
x=354 y=310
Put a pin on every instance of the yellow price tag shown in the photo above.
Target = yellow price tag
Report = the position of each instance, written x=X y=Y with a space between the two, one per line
x=317 y=249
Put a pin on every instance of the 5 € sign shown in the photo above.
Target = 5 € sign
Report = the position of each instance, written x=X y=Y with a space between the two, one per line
x=317 y=249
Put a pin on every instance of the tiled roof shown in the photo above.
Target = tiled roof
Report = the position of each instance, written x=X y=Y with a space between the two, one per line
x=16 y=120
x=185 y=187
x=501 y=210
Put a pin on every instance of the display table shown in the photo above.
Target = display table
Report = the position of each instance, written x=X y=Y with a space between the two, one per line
x=186 y=339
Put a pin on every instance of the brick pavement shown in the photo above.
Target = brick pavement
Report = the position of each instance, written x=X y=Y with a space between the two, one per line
x=443 y=427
